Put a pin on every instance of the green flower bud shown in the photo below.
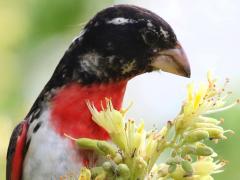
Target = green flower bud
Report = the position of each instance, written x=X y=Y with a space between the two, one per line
x=208 y=120
x=203 y=150
x=207 y=125
x=215 y=133
x=107 y=166
x=86 y=143
x=188 y=149
x=196 y=135
x=96 y=171
x=175 y=160
x=172 y=168
x=123 y=170
x=106 y=148
x=187 y=167
x=178 y=174
x=118 y=158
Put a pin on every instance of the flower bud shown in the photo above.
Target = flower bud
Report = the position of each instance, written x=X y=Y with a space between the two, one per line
x=118 y=158
x=123 y=170
x=215 y=133
x=178 y=174
x=172 y=168
x=206 y=125
x=196 y=135
x=187 y=167
x=106 y=148
x=107 y=166
x=86 y=143
x=203 y=150
x=175 y=160
x=207 y=120
x=188 y=149
x=96 y=171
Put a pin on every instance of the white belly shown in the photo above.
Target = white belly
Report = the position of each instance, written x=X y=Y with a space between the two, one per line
x=49 y=156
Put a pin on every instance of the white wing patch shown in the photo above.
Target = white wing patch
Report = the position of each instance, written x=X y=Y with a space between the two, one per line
x=121 y=21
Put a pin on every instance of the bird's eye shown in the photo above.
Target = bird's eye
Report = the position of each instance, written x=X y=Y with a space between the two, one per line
x=150 y=37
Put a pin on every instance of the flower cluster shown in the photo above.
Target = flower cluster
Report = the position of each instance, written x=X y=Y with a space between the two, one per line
x=138 y=149
x=134 y=151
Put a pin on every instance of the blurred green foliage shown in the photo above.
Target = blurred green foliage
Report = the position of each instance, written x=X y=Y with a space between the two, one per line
x=25 y=26
x=33 y=36
x=229 y=149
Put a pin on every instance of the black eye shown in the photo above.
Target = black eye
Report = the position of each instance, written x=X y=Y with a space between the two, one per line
x=150 y=37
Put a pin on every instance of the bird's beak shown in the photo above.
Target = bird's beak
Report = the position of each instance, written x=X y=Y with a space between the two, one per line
x=173 y=61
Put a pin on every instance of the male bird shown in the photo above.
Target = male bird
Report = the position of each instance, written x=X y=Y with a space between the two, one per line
x=120 y=42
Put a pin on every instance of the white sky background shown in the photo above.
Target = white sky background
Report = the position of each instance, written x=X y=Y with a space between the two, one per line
x=209 y=31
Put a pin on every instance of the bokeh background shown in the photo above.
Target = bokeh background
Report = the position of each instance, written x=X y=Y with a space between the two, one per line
x=34 y=35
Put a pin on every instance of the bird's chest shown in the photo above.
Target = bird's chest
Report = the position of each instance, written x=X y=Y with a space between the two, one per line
x=70 y=114
x=51 y=154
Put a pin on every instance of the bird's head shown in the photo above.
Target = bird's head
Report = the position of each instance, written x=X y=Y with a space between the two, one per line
x=121 y=42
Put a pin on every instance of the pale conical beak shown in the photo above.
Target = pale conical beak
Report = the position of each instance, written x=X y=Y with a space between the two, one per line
x=173 y=61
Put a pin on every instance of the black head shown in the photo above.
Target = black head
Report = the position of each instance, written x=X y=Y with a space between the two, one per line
x=119 y=43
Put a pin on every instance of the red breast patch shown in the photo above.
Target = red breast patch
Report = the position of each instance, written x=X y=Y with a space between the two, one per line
x=70 y=114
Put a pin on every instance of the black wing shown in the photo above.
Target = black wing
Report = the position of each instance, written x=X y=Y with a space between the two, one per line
x=17 y=140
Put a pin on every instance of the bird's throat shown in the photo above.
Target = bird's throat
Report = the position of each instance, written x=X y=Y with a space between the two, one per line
x=70 y=114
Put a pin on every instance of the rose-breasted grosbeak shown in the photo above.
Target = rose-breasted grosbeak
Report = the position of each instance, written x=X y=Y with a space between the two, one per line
x=119 y=43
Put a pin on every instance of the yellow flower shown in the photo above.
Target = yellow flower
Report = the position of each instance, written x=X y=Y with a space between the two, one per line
x=112 y=121
x=178 y=174
x=134 y=151
x=206 y=166
x=202 y=170
x=207 y=99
